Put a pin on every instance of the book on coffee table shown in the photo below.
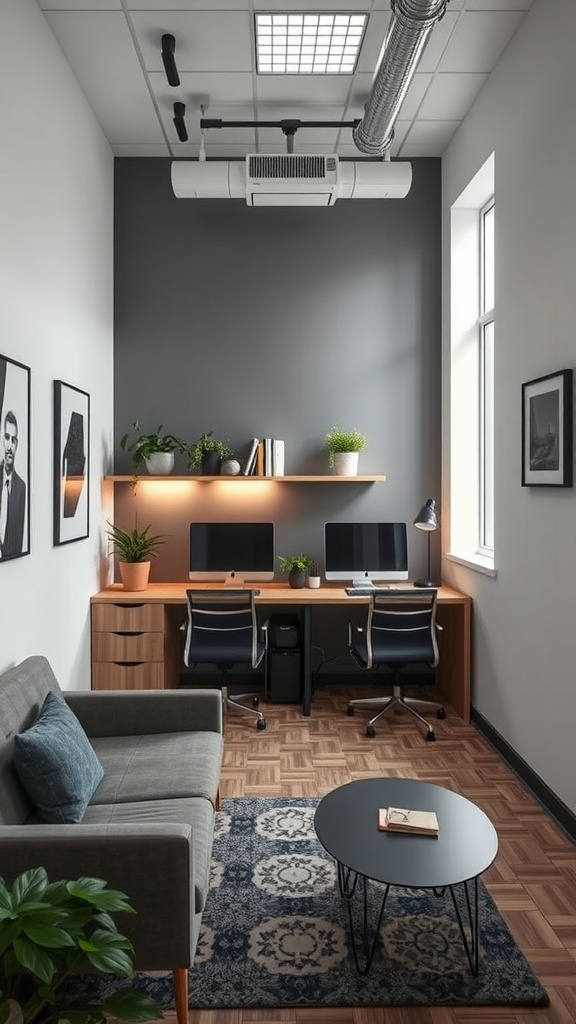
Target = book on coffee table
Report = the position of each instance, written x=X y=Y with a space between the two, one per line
x=401 y=819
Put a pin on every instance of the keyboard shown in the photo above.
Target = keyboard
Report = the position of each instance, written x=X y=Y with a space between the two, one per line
x=361 y=591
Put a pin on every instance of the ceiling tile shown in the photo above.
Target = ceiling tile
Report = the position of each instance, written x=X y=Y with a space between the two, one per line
x=205 y=40
x=430 y=138
x=497 y=5
x=478 y=40
x=187 y=5
x=373 y=40
x=301 y=92
x=80 y=5
x=118 y=95
x=450 y=96
x=206 y=88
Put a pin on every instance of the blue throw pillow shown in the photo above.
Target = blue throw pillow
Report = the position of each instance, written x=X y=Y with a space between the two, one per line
x=56 y=764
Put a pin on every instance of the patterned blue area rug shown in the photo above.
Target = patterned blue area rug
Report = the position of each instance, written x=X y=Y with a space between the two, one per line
x=275 y=930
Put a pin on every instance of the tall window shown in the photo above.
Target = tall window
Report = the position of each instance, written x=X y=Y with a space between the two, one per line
x=472 y=334
x=486 y=347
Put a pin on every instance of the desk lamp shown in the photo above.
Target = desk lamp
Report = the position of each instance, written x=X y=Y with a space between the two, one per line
x=427 y=519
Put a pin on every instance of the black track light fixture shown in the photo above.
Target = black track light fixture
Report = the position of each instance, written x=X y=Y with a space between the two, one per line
x=179 y=122
x=168 y=59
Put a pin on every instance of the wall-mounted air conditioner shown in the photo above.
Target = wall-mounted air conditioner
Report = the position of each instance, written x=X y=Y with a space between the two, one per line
x=291 y=179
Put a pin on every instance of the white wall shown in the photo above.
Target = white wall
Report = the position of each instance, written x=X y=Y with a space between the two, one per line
x=56 y=204
x=524 y=619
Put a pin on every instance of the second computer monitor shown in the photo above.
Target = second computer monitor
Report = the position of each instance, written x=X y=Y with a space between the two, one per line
x=231 y=552
x=365 y=552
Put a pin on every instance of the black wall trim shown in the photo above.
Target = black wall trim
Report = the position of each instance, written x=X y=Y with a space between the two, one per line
x=563 y=815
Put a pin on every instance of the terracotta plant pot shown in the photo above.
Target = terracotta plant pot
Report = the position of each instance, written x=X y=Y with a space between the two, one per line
x=134 y=575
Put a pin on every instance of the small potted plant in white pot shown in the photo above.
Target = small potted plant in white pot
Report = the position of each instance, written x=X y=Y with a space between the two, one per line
x=343 y=448
x=209 y=453
x=134 y=549
x=296 y=566
x=155 y=450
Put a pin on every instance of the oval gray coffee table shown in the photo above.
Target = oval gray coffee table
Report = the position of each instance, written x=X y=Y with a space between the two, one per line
x=346 y=823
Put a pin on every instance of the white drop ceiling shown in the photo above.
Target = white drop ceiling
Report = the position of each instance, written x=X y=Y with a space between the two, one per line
x=114 y=50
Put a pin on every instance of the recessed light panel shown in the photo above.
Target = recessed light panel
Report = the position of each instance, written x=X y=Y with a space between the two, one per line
x=308 y=44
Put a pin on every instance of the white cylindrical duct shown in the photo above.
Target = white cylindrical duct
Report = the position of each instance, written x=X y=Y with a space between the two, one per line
x=410 y=26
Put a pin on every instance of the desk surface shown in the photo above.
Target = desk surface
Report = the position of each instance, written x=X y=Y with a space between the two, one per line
x=270 y=593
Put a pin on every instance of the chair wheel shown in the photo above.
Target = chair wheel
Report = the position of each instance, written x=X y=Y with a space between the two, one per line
x=350 y=710
x=261 y=724
x=430 y=736
x=370 y=730
x=440 y=713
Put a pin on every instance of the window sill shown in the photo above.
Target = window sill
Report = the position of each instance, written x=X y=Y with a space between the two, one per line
x=479 y=563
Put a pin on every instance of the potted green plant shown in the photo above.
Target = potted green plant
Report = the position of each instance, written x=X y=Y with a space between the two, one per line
x=134 y=549
x=343 y=448
x=208 y=452
x=296 y=566
x=52 y=931
x=156 y=450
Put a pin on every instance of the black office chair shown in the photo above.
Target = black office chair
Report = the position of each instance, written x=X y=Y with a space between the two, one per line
x=222 y=630
x=400 y=630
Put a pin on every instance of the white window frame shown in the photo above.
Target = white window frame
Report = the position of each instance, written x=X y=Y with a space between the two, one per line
x=486 y=327
x=471 y=390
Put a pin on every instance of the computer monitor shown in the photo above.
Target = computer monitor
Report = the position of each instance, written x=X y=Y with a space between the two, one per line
x=231 y=552
x=364 y=553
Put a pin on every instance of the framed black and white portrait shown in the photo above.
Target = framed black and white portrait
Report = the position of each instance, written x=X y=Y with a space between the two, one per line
x=547 y=431
x=14 y=459
x=71 y=463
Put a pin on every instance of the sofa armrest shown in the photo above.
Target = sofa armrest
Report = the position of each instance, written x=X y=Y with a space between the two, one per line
x=141 y=712
x=152 y=863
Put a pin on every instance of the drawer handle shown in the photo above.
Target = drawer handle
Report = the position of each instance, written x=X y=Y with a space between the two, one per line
x=128 y=664
x=128 y=632
x=129 y=605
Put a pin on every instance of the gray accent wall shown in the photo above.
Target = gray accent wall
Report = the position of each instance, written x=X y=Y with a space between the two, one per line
x=279 y=322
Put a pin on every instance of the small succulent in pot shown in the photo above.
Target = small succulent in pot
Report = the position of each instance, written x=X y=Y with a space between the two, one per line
x=343 y=441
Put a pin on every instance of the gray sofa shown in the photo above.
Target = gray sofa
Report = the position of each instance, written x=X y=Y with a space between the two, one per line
x=149 y=825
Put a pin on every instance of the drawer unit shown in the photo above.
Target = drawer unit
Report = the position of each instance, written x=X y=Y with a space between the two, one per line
x=129 y=646
x=113 y=676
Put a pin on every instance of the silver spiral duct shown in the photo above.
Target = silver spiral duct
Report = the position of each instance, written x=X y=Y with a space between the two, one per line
x=410 y=26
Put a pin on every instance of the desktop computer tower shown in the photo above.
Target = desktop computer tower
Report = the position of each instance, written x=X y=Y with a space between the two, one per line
x=284 y=660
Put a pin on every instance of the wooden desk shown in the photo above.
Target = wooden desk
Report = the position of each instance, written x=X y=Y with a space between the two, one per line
x=136 y=642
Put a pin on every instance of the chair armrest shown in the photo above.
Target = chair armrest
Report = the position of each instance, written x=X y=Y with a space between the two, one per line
x=152 y=863
x=142 y=712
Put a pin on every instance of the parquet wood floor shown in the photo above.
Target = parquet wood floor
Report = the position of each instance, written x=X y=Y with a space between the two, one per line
x=533 y=879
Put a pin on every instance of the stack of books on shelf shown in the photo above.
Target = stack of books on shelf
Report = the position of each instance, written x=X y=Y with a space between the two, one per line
x=400 y=819
x=265 y=457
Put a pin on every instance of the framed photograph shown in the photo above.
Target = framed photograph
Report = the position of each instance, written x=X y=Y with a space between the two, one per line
x=547 y=431
x=14 y=459
x=71 y=463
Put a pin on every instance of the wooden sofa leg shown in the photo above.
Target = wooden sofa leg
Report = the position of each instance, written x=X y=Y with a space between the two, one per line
x=218 y=803
x=180 y=975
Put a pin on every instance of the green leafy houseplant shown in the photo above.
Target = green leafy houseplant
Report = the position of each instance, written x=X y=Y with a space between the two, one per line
x=142 y=446
x=51 y=931
x=300 y=562
x=205 y=444
x=343 y=441
x=134 y=545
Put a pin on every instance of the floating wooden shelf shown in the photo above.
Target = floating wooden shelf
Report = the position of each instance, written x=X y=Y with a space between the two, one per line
x=324 y=478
